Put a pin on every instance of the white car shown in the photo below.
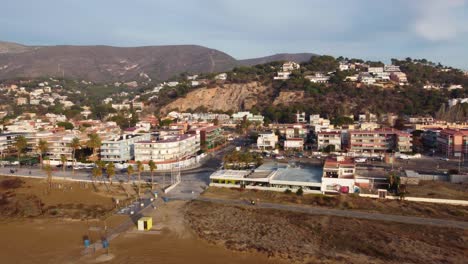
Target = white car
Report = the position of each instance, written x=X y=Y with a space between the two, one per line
x=360 y=160
x=280 y=157
x=404 y=157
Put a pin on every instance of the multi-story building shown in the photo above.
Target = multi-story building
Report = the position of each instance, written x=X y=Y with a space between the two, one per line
x=453 y=142
x=239 y=116
x=21 y=100
x=300 y=117
x=338 y=175
x=339 y=167
x=294 y=144
x=169 y=149
x=429 y=138
x=318 y=78
x=379 y=141
x=6 y=142
x=290 y=130
x=391 y=68
x=318 y=124
x=211 y=137
x=398 y=77
x=421 y=119
x=325 y=139
x=267 y=140
x=121 y=148
x=375 y=69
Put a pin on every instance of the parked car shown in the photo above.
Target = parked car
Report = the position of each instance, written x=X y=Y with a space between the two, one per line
x=279 y=157
x=444 y=159
x=360 y=160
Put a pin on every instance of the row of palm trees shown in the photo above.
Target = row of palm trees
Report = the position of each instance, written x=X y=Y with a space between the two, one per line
x=110 y=171
x=94 y=142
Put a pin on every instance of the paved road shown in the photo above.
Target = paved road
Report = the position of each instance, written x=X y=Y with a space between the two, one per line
x=346 y=213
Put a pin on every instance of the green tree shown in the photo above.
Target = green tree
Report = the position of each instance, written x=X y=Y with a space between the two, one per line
x=48 y=170
x=66 y=125
x=97 y=170
x=299 y=191
x=139 y=170
x=74 y=144
x=94 y=142
x=152 y=167
x=20 y=144
x=42 y=147
x=129 y=172
x=110 y=170
x=63 y=159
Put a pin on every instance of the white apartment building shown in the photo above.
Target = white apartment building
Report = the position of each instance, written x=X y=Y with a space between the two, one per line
x=282 y=75
x=318 y=78
x=221 y=76
x=294 y=143
x=290 y=66
x=121 y=148
x=375 y=69
x=120 y=106
x=300 y=117
x=398 y=77
x=318 y=124
x=391 y=68
x=169 y=149
x=325 y=139
x=267 y=140
x=239 y=116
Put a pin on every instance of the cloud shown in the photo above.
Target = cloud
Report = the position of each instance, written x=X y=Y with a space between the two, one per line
x=439 y=20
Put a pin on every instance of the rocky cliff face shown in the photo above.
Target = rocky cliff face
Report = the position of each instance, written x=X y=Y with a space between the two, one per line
x=227 y=97
x=288 y=97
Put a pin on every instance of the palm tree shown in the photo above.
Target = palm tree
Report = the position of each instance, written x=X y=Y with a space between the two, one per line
x=110 y=171
x=129 y=172
x=97 y=170
x=63 y=159
x=42 y=147
x=48 y=169
x=74 y=144
x=152 y=167
x=94 y=143
x=20 y=144
x=139 y=169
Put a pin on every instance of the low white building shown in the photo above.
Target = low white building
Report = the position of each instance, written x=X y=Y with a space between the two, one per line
x=318 y=78
x=221 y=76
x=239 y=116
x=267 y=140
x=294 y=143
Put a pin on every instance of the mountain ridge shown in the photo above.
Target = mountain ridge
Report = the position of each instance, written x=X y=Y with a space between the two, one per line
x=103 y=63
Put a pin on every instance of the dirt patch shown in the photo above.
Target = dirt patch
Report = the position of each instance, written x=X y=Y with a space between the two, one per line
x=32 y=198
x=436 y=189
x=322 y=239
x=346 y=202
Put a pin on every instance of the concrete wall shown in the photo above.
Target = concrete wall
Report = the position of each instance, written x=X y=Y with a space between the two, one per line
x=458 y=178
x=420 y=199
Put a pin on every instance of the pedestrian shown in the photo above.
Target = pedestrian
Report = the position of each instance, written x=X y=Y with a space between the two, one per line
x=29 y=172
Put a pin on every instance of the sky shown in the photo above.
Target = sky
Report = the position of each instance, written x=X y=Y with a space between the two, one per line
x=369 y=29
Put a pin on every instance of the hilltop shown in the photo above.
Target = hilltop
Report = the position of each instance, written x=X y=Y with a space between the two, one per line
x=119 y=64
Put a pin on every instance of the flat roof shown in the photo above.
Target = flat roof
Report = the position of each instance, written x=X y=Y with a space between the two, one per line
x=307 y=174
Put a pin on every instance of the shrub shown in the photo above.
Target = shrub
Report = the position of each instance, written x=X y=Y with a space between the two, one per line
x=287 y=191
x=299 y=192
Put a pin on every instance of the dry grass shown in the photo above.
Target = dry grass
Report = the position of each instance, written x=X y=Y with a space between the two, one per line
x=322 y=239
x=32 y=198
x=351 y=202
x=436 y=189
